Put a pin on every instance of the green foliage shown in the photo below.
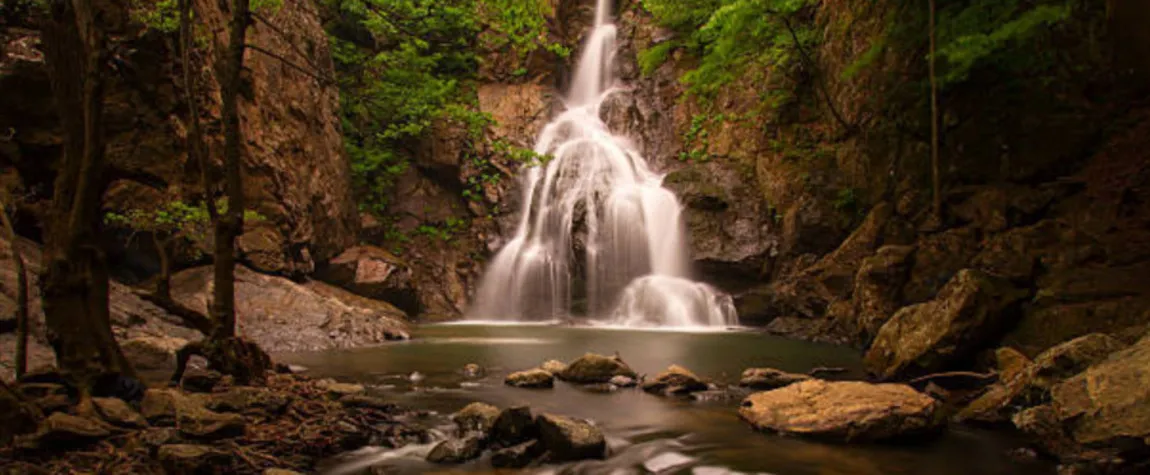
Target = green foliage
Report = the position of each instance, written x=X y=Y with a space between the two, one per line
x=173 y=218
x=162 y=15
x=730 y=38
x=697 y=140
x=846 y=200
x=988 y=31
x=520 y=25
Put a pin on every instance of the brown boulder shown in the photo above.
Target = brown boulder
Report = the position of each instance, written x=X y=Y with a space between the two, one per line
x=532 y=378
x=972 y=309
x=676 y=380
x=567 y=439
x=1106 y=405
x=844 y=411
x=476 y=416
x=374 y=273
x=592 y=368
x=878 y=289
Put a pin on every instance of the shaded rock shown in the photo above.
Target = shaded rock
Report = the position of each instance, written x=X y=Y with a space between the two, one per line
x=844 y=411
x=375 y=273
x=245 y=399
x=532 y=378
x=455 y=451
x=280 y=471
x=16 y=416
x=167 y=407
x=593 y=368
x=517 y=456
x=1009 y=362
x=1106 y=404
x=200 y=381
x=769 y=378
x=155 y=437
x=476 y=416
x=514 y=425
x=119 y=413
x=553 y=366
x=66 y=430
x=937 y=259
x=623 y=381
x=675 y=380
x=152 y=353
x=367 y=402
x=973 y=308
x=878 y=289
x=33 y=391
x=186 y=459
x=1031 y=385
x=568 y=439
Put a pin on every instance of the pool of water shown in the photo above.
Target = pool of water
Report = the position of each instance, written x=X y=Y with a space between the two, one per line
x=646 y=434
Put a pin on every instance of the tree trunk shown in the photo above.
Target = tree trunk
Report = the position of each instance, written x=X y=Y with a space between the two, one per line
x=75 y=286
x=195 y=142
x=230 y=223
x=21 y=296
x=164 y=282
x=936 y=185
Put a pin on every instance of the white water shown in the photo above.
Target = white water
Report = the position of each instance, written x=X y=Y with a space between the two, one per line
x=599 y=198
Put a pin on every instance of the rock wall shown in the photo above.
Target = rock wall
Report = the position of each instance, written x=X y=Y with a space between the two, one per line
x=295 y=173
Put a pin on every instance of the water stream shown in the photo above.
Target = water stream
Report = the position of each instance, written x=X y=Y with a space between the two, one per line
x=643 y=431
x=598 y=233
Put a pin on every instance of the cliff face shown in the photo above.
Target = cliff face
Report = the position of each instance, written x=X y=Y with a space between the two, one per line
x=296 y=174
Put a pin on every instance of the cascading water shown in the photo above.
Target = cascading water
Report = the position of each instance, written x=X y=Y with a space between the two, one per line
x=597 y=197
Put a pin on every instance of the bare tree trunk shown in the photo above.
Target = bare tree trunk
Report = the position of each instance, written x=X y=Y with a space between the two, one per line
x=164 y=284
x=936 y=185
x=75 y=286
x=21 y=296
x=195 y=133
x=230 y=224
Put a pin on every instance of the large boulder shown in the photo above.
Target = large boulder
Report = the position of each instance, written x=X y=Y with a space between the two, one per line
x=456 y=451
x=769 y=378
x=553 y=366
x=1031 y=385
x=676 y=380
x=878 y=289
x=514 y=426
x=281 y=315
x=476 y=416
x=844 y=411
x=119 y=413
x=568 y=439
x=169 y=407
x=1106 y=405
x=375 y=273
x=532 y=378
x=593 y=368
x=972 y=309
x=517 y=456
x=152 y=352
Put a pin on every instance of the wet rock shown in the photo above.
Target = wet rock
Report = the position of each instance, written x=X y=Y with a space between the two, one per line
x=186 y=459
x=593 y=368
x=973 y=308
x=720 y=395
x=554 y=366
x=676 y=380
x=200 y=381
x=374 y=273
x=476 y=416
x=532 y=378
x=517 y=456
x=1009 y=362
x=844 y=411
x=769 y=378
x=473 y=371
x=623 y=381
x=514 y=425
x=152 y=353
x=338 y=390
x=1106 y=404
x=455 y=451
x=1031 y=385
x=568 y=439
x=599 y=388
x=119 y=413
x=65 y=430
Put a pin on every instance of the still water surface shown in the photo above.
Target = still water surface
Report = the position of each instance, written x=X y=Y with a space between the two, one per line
x=646 y=434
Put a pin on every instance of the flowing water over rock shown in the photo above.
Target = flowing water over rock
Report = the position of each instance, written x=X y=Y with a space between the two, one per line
x=596 y=196
x=646 y=433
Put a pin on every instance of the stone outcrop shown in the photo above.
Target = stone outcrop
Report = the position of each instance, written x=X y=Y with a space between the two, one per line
x=844 y=411
x=282 y=315
x=675 y=381
x=374 y=273
x=592 y=368
x=1105 y=405
x=972 y=309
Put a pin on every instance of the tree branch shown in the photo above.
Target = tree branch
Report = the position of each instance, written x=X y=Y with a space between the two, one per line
x=326 y=81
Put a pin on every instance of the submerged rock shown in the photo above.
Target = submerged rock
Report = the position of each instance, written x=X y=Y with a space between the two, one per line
x=473 y=371
x=476 y=416
x=675 y=380
x=337 y=390
x=517 y=456
x=568 y=439
x=971 y=309
x=624 y=381
x=844 y=411
x=532 y=378
x=554 y=366
x=769 y=378
x=455 y=451
x=593 y=368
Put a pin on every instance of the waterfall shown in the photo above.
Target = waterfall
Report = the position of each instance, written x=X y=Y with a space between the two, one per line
x=596 y=225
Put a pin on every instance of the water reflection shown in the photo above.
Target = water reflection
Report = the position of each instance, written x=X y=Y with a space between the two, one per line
x=706 y=438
